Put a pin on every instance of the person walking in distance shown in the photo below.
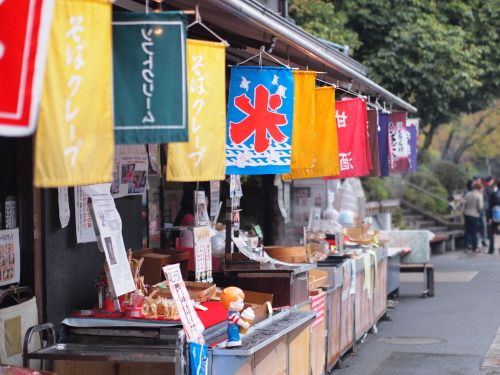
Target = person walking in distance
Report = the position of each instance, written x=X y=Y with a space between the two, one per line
x=484 y=228
x=473 y=204
x=494 y=215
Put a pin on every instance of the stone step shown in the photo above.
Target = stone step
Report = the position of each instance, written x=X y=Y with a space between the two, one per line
x=413 y=217
x=425 y=223
x=437 y=229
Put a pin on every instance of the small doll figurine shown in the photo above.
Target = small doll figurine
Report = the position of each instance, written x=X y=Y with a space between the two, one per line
x=232 y=300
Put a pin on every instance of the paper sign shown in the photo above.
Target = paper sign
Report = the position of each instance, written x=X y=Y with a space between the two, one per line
x=203 y=254
x=10 y=266
x=200 y=210
x=84 y=228
x=190 y=321
x=214 y=198
x=64 y=212
x=109 y=228
x=130 y=174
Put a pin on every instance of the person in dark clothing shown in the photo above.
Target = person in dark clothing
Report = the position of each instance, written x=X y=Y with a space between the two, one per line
x=494 y=201
x=186 y=215
x=484 y=228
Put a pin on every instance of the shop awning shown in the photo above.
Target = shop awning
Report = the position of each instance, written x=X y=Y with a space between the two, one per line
x=247 y=25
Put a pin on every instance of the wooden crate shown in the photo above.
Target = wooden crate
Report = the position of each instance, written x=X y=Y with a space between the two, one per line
x=9 y=369
x=288 y=254
x=318 y=327
x=155 y=259
x=333 y=344
x=199 y=292
x=364 y=297
x=380 y=293
x=317 y=278
x=111 y=367
x=258 y=302
x=347 y=314
x=300 y=349
x=287 y=288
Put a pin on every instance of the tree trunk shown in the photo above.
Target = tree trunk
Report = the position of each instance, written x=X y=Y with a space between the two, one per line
x=448 y=144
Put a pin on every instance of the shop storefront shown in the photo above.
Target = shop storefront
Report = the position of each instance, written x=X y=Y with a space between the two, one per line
x=63 y=231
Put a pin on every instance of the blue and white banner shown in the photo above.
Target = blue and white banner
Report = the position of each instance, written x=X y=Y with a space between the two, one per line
x=259 y=120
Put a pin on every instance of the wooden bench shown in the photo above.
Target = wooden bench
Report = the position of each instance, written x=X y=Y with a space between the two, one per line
x=428 y=270
x=438 y=244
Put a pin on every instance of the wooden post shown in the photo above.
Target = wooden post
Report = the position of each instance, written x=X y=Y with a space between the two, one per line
x=229 y=228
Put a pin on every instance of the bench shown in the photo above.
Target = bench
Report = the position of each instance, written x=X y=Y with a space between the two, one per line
x=438 y=243
x=428 y=270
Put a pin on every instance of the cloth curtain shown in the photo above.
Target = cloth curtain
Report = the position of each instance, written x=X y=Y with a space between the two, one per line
x=383 y=143
x=259 y=120
x=412 y=129
x=74 y=140
x=372 y=117
x=352 y=131
x=150 y=80
x=325 y=150
x=14 y=322
x=303 y=121
x=203 y=157
x=398 y=142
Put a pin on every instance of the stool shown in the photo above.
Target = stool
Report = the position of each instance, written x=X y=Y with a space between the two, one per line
x=428 y=270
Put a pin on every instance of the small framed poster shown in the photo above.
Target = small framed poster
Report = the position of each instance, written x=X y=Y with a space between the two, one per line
x=10 y=262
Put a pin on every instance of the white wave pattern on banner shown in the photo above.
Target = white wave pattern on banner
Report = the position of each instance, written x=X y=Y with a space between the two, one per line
x=242 y=156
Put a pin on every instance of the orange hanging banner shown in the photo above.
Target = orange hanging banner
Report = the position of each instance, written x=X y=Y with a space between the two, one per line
x=325 y=152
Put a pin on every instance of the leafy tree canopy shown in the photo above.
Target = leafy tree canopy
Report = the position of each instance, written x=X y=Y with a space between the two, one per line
x=441 y=56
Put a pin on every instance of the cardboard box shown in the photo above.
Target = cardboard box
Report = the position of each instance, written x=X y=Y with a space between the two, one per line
x=317 y=278
x=199 y=292
x=155 y=259
x=257 y=301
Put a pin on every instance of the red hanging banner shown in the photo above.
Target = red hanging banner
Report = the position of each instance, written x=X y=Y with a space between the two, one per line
x=23 y=46
x=354 y=152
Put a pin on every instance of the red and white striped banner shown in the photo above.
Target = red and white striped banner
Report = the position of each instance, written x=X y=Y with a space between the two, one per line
x=318 y=305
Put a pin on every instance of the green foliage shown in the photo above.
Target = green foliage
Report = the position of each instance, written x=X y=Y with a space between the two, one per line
x=452 y=176
x=397 y=219
x=441 y=56
x=430 y=63
x=319 y=18
x=377 y=189
x=429 y=183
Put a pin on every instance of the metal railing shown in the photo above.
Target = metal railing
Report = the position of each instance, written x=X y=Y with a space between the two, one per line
x=451 y=205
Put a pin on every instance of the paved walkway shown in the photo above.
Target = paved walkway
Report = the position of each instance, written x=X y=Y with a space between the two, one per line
x=456 y=332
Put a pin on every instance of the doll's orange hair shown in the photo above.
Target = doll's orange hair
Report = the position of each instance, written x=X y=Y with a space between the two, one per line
x=230 y=294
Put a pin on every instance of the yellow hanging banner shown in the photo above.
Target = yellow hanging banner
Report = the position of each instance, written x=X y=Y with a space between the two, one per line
x=203 y=158
x=303 y=121
x=75 y=136
x=325 y=151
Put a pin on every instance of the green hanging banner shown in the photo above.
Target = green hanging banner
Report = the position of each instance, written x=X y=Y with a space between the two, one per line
x=150 y=87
